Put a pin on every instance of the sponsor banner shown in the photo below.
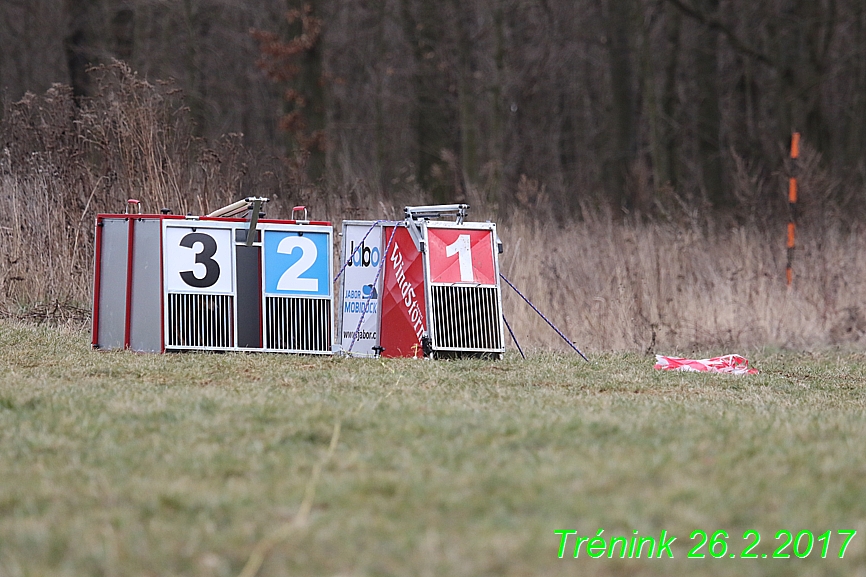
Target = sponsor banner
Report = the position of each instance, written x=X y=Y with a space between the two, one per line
x=403 y=302
x=461 y=255
x=360 y=296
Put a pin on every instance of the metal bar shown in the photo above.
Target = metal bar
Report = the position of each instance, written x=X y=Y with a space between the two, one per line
x=130 y=235
x=446 y=312
x=491 y=318
x=459 y=310
x=496 y=314
x=513 y=338
x=231 y=209
x=254 y=220
x=437 y=211
x=487 y=318
x=533 y=307
x=229 y=320
x=97 y=268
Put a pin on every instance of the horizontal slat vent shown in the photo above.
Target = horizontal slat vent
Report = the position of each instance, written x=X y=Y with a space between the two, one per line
x=301 y=325
x=199 y=321
x=466 y=318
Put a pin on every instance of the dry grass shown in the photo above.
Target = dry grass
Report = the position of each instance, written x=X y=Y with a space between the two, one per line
x=680 y=283
x=63 y=162
x=665 y=288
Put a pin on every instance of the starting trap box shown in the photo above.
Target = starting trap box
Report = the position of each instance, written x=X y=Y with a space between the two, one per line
x=421 y=287
x=169 y=283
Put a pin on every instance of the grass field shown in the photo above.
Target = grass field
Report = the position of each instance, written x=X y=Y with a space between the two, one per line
x=127 y=464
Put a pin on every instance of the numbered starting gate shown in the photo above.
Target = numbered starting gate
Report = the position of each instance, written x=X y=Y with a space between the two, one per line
x=421 y=287
x=166 y=282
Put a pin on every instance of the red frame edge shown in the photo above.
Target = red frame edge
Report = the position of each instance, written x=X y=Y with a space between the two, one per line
x=97 y=269
x=129 y=247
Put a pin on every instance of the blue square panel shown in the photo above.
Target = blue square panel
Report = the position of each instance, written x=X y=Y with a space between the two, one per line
x=297 y=263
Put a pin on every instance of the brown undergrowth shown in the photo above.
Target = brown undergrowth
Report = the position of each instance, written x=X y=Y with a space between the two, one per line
x=64 y=161
x=681 y=281
x=656 y=287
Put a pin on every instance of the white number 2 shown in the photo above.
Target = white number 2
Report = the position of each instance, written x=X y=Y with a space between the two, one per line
x=463 y=250
x=291 y=279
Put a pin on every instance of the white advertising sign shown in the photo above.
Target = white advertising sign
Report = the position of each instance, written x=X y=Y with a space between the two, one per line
x=360 y=298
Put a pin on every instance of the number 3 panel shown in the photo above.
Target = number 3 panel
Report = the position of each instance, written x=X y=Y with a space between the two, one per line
x=199 y=281
x=198 y=259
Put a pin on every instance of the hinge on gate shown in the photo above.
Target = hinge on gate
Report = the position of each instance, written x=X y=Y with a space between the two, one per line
x=427 y=345
x=251 y=205
x=416 y=214
x=416 y=234
x=459 y=211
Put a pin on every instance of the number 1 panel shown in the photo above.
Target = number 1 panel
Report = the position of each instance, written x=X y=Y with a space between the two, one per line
x=461 y=255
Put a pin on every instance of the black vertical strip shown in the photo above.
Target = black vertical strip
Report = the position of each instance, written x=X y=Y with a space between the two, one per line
x=249 y=296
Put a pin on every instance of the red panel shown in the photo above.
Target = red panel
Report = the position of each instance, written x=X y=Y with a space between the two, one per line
x=161 y=292
x=213 y=218
x=130 y=239
x=261 y=304
x=97 y=267
x=461 y=255
x=404 y=320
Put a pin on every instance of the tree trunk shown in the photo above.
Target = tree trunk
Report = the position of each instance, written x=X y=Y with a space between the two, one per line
x=123 y=33
x=466 y=93
x=622 y=99
x=194 y=82
x=312 y=84
x=434 y=117
x=81 y=43
x=856 y=142
x=667 y=153
x=497 y=137
x=709 y=113
x=382 y=174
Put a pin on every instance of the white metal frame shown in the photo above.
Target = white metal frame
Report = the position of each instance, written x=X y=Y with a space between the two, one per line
x=338 y=338
x=262 y=227
x=311 y=228
x=196 y=223
x=428 y=284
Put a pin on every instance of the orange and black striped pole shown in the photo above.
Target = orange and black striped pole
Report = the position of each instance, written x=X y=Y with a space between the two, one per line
x=792 y=205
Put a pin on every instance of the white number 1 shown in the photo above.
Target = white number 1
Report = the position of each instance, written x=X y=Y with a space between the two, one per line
x=463 y=250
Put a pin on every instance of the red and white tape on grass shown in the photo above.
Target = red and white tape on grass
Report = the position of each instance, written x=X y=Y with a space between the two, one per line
x=732 y=364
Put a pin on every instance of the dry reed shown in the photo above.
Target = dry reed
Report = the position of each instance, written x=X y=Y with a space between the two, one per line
x=655 y=287
x=681 y=283
x=64 y=161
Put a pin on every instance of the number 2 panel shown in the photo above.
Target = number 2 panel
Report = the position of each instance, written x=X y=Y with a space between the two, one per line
x=461 y=255
x=297 y=263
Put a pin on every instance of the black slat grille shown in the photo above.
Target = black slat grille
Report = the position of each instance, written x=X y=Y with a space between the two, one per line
x=300 y=325
x=199 y=321
x=466 y=318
